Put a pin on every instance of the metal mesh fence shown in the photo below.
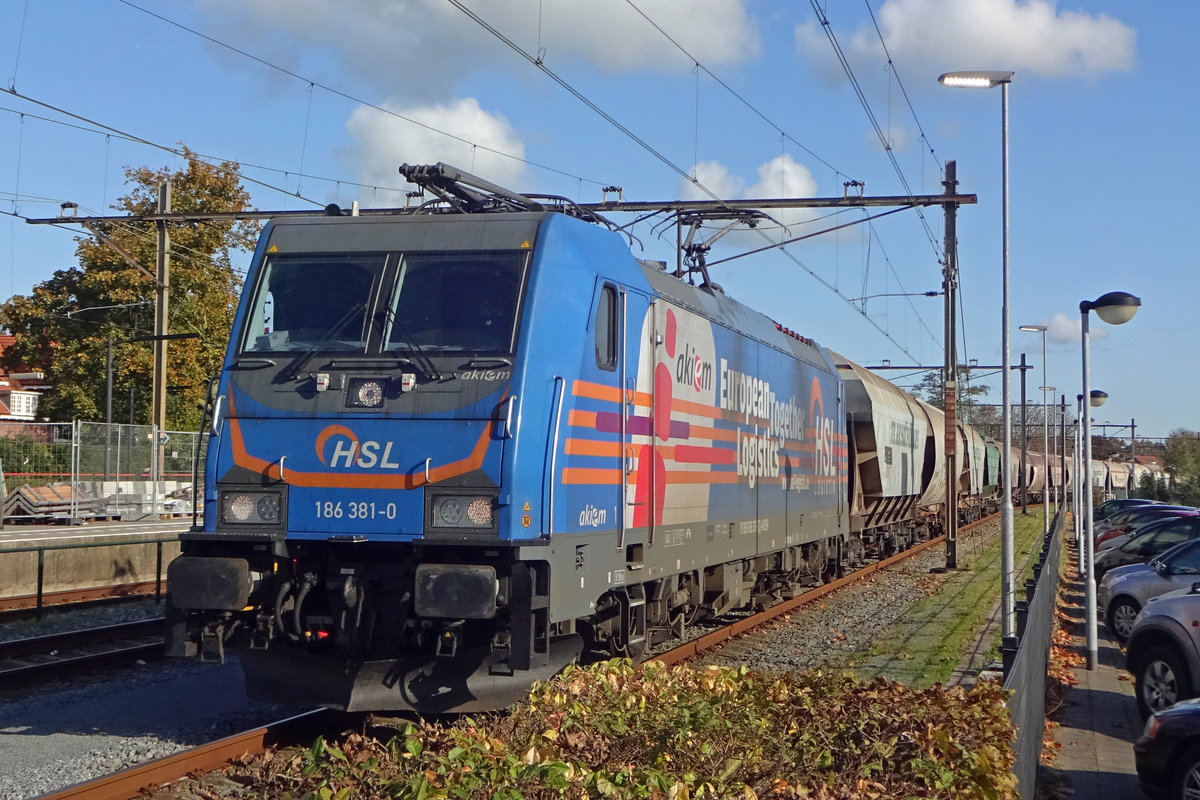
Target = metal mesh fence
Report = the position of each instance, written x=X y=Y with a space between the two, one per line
x=1026 y=678
x=88 y=470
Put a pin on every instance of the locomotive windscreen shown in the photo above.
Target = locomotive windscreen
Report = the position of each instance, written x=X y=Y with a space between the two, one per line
x=465 y=302
x=318 y=302
x=457 y=301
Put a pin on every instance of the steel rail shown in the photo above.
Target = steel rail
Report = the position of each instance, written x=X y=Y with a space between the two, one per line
x=132 y=782
x=98 y=594
x=691 y=649
x=41 y=655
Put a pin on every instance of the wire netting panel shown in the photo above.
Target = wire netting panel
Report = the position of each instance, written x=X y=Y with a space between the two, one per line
x=35 y=453
x=87 y=470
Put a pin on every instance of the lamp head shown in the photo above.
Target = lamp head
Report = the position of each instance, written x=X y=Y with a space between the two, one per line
x=1034 y=328
x=976 y=79
x=1099 y=397
x=1115 y=308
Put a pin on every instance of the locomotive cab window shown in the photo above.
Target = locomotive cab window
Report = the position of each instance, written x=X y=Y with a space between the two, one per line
x=456 y=302
x=317 y=302
x=606 y=328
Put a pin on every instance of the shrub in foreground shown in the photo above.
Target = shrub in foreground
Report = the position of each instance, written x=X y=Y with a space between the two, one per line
x=612 y=731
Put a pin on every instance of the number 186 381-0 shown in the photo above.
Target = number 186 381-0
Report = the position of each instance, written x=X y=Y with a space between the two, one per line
x=337 y=509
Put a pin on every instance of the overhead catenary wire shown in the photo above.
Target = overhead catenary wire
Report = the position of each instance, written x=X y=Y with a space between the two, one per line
x=699 y=66
x=733 y=92
x=137 y=139
x=903 y=91
x=312 y=83
x=823 y=19
x=347 y=96
x=671 y=165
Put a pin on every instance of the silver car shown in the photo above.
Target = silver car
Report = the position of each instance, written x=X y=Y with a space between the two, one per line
x=1162 y=651
x=1124 y=591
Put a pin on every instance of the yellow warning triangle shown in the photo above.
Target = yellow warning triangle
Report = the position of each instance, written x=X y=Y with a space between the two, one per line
x=272 y=249
x=525 y=245
x=526 y=508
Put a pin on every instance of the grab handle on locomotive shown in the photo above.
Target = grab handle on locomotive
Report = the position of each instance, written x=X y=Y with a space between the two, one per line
x=506 y=424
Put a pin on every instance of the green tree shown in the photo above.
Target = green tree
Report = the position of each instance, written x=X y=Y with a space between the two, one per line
x=1182 y=464
x=932 y=391
x=1152 y=488
x=63 y=326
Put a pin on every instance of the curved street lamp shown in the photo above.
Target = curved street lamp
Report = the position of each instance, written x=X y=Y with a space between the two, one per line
x=1115 y=308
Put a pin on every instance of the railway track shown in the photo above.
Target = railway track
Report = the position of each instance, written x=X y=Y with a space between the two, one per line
x=137 y=781
x=27 y=605
x=695 y=647
x=26 y=660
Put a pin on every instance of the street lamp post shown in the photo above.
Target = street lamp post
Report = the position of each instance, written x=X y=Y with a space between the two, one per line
x=1115 y=308
x=1049 y=457
x=1097 y=398
x=1045 y=427
x=988 y=80
x=1062 y=453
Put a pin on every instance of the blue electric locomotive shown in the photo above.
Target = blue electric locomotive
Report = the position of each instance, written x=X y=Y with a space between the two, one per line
x=456 y=448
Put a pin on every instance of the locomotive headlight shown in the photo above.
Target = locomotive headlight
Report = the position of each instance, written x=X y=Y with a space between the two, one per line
x=366 y=392
x=479 y=512
x=474 y=512
x=251 y=507
x=241 y=507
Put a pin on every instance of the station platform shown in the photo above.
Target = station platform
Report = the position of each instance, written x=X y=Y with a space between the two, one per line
x=45 y=560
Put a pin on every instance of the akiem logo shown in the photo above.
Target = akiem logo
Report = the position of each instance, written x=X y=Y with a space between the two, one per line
x=338 y=446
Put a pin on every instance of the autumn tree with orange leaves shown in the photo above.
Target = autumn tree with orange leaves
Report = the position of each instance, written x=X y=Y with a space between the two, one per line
x=62 y=327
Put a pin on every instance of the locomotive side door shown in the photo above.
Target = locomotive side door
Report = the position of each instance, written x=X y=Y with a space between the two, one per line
x=641 y=465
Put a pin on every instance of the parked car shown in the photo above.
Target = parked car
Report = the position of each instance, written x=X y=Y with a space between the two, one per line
x=1163 y=650
x=1110 y=507
x=1119 y=536
x=1124 y=591
x=1152 y=541
x=1135 y=515
x=1167 y=754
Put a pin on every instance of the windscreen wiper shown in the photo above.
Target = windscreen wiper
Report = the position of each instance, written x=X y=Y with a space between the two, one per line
x=419 y=356
x=292 y=370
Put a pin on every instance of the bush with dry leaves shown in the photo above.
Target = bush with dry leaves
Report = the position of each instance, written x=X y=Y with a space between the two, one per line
x=613 y=731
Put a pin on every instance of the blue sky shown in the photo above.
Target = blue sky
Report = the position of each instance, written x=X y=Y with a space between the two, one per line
x=320 y=102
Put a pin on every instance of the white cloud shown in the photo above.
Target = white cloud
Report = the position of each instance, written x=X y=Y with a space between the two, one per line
x=383 y=142
x=424 y=48
x=1021 y=35
x=1067 y=329
x=716 y=178
x=780 y=177
x=614 y=37
x=391 y=45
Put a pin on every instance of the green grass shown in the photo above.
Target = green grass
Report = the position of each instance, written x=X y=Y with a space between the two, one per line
x=940 y=630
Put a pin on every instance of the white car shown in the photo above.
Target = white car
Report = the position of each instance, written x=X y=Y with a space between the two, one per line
x=1124 y=591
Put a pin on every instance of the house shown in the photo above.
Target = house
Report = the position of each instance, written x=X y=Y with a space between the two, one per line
x=19 y=391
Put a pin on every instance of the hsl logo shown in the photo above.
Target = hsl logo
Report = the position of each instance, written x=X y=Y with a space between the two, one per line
x=348 y=451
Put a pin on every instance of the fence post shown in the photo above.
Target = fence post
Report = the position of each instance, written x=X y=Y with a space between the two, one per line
x=75 y=517
x=158 y=574
x=41 y=579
